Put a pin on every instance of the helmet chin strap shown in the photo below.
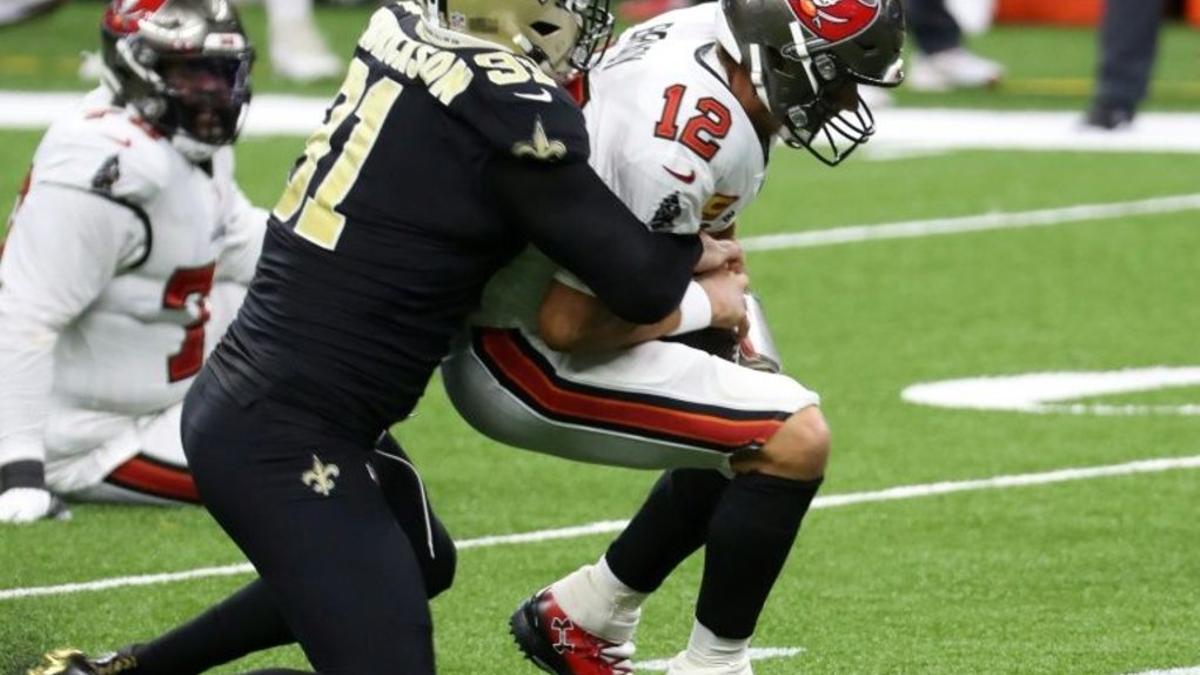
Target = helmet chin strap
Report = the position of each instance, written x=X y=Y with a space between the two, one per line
x=757 y=78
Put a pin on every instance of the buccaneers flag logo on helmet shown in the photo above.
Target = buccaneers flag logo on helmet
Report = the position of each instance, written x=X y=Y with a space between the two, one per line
x=835 y=20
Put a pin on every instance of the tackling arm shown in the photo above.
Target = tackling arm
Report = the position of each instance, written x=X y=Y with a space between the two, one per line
x=568 y=213
x=572 y=320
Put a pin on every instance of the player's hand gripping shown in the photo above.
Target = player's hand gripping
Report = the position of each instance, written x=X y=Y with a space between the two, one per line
x=720 y=253
x=726 y=289
x=29 y=503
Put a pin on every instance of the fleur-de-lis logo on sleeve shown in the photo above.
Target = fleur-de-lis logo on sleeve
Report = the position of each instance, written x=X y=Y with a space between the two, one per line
x=540 y=146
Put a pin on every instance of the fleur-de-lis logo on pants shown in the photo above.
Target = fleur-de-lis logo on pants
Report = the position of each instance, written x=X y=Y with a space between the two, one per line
x=320 y=477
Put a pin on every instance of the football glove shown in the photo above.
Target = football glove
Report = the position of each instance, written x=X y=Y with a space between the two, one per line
x=25 y=505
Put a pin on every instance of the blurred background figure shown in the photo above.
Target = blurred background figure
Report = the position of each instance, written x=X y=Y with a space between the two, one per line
x=16 y=11
x=297 y=50
x=1128 y=46
x=943 y=63
x=975 y=16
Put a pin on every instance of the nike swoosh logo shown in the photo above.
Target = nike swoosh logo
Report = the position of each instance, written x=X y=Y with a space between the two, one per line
x=688 y=178
x=124 y=142
x=543 y=97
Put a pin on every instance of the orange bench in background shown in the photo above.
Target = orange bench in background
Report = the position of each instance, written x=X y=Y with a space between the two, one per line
x=1069 y=12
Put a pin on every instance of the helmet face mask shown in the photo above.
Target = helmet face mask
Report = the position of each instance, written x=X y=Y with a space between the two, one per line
x=595 y=32
x=830 y=119
x=184 y=65
x=806 y=59
x=207 y=96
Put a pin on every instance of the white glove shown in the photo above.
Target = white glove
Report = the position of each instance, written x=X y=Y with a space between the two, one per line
x=25 y=505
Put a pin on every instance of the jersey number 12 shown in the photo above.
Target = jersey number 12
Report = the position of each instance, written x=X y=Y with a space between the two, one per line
x=701 y=132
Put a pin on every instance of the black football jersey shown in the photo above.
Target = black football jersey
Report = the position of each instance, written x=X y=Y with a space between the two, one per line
x=386 y=233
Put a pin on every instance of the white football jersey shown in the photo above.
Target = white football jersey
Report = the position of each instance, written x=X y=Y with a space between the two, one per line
x=112 y=252
x=668 y=137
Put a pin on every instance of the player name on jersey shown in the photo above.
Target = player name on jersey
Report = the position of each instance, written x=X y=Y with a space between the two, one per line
x=443 y=72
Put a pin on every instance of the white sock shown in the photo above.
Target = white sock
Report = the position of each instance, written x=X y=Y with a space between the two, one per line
x=284 y=12
x=15 y=9
x=707 y=648
x=597 y=601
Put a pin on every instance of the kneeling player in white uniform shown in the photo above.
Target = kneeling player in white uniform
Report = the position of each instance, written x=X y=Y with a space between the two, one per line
x=681 y=115
x=126 y=258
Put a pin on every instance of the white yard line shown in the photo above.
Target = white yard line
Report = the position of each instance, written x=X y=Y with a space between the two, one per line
x=1051 y=392
x=977 y=223
x=1194 y=670
x=927 y=129
x=608 y=526
x=756 y=654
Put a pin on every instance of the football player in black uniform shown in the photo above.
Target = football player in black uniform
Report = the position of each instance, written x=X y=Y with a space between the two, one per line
x=448 y=149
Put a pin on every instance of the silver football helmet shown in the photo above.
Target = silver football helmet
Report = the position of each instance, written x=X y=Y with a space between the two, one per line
x=806 y=58
x=184 y=65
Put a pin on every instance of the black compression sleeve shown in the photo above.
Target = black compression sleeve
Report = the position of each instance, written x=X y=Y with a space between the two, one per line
x=567 y=212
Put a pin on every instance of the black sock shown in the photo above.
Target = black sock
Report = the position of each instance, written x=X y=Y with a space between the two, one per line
x=243 y=623
x=749 y=538
x=671 y=525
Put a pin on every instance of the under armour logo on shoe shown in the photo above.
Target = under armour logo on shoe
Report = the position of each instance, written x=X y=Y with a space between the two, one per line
x=320 y=477
x=562 y=627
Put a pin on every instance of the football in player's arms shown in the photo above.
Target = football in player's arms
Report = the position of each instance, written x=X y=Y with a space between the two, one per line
x=681 y=115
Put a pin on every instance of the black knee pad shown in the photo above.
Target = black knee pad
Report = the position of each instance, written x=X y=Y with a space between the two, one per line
x=406 y=496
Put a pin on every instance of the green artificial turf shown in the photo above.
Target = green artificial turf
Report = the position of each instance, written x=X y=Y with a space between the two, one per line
x=1094 y=576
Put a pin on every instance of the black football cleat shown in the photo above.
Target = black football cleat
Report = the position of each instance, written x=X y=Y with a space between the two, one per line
x=75 y=662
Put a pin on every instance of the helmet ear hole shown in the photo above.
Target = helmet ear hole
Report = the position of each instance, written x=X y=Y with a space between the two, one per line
x=544 y=28
x=826 y=67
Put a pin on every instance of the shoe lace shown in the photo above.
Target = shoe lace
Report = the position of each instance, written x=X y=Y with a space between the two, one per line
x=619 y=657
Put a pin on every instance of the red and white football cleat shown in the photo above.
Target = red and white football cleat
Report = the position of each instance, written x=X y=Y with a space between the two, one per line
x=554 y=643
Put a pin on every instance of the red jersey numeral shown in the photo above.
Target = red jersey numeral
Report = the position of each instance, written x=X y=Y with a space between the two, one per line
x=666 y=127
x=185 y=283
x=701 y=133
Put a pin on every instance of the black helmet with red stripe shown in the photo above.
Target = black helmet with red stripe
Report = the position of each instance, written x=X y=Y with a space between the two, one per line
x=184 y=65
x=806 y=58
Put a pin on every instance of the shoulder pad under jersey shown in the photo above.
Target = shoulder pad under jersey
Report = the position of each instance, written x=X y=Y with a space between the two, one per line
x=504 y=96
x=104 y=149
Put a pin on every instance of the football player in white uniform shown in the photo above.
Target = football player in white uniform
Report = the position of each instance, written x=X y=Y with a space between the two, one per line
x=127 y=255
x=681 y=116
